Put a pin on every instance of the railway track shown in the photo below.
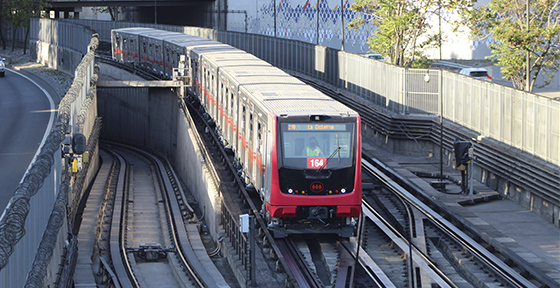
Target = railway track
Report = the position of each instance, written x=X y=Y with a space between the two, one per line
x=411 y=227
x=149 y=231
x=396 y=225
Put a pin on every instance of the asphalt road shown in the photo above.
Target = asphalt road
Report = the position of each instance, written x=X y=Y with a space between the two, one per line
x=26 y=112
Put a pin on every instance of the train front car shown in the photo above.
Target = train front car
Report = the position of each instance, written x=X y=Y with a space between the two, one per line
x=318 y=187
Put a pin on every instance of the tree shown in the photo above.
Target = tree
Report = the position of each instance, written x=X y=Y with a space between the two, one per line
x=505 y=21
x=17 y=14
x=402 y=26
x=113 y=11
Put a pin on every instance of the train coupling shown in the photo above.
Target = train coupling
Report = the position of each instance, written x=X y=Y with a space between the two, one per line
x=150 y=252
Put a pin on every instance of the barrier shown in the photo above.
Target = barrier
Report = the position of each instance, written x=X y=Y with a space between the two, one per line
x=35 y=227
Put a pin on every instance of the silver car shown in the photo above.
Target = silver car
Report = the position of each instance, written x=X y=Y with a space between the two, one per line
x=2 y=69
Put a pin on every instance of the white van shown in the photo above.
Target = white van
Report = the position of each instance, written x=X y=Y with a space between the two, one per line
x=478 y=73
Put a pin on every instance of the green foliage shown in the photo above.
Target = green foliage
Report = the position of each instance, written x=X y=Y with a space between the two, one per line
x=505 y=21
x=17 y=13
x=402 y=28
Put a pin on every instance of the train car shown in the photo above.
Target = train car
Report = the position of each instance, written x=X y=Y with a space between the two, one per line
x=125 y=46
x=215 y=61
x=174 y=49
x=151 y=51
x=206 y=80
x=296 y=147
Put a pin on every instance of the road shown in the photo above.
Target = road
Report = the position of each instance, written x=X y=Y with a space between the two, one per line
x=27 y=112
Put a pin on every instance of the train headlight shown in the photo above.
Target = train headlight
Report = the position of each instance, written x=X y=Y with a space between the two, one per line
x=290 y=191
x=343 y=190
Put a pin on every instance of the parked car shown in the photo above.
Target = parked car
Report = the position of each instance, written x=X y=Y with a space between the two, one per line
x=377 y=57
x=478 y=73
x=2 y=69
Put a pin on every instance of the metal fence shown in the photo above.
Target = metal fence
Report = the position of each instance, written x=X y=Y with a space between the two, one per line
x=523 y=120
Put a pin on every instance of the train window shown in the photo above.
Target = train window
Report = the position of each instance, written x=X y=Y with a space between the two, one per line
x=250 y=124
x=259 y=137
x=304 y=141
x=242 y=119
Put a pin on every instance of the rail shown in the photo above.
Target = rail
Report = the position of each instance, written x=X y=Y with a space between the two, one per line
x=499 y=267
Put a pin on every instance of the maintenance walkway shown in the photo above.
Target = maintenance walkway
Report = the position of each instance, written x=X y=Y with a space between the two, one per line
x=501 y=221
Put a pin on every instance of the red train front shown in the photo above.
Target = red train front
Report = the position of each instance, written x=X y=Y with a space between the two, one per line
x=316 y=182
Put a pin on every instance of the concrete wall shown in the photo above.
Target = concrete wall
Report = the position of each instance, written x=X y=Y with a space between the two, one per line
x=152 y=118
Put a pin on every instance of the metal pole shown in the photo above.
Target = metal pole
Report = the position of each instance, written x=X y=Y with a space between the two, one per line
x=318 y=2
x=528 y=72
x=274 y=18
x=155 y=11
x=439 y=18
x=471 y=169
x=342 y=21
x=440 y=127
x=252 y=250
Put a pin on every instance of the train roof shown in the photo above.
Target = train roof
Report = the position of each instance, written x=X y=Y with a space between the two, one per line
x=222 y=48
x=223 y=59
x=254 y=75
x=133 y=30
x=296 y=98
x=308 y=107
x=158 y=35
x=186 y=39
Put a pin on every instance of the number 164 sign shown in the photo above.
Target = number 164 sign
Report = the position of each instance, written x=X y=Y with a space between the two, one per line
x=316 y=163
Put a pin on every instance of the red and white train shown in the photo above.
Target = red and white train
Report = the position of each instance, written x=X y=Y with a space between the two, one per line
x=300 y=149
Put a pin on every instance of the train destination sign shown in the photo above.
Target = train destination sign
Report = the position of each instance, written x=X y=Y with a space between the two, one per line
x=317 y=127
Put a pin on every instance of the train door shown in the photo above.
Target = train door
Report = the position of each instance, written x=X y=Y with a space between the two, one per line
x=223 y=91
x=169 y=61
x=251 y=153
x=213 y=92
x=132 y=57
x=233 y=114
x=242 y=132
x=158 y=57
x=143 y=54
x=260 y=170
x=204 y=87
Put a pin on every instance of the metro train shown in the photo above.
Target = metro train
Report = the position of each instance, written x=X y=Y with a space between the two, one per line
x=298 y=148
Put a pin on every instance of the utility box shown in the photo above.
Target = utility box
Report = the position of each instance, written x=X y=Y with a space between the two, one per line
x=244 y=223
x=461 y=151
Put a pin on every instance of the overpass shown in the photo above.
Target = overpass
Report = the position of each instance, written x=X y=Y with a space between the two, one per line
x=516 y=133
x=177 y=12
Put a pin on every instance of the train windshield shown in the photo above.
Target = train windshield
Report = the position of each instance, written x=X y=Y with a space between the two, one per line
x=317 y=145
